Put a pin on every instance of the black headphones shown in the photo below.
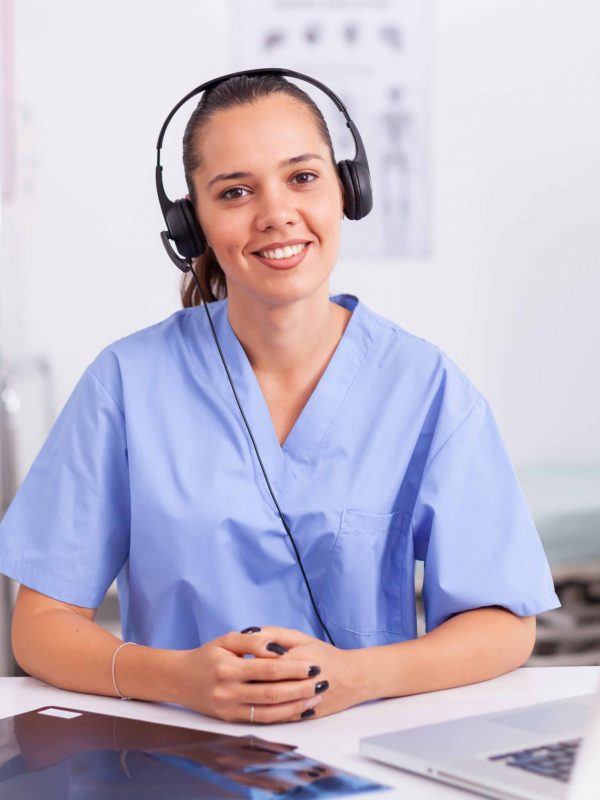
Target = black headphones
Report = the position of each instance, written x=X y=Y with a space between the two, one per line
x=183 y=227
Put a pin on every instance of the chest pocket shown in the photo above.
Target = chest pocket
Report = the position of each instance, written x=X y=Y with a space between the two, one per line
x=367 y=578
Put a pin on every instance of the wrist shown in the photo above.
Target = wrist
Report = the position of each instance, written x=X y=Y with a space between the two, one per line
x=113 y=668
x=367 y=674
x=148 y=673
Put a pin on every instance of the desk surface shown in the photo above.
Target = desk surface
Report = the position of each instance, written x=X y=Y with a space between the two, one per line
x=334 y=739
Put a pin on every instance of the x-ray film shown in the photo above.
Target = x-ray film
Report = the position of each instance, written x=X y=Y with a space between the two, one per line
x=53 y=753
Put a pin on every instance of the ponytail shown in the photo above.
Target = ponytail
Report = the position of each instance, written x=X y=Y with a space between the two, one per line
x=211 y=278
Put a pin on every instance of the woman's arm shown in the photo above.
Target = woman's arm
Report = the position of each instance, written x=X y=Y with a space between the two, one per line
x=473 y=646
x=470 y=647
x=62 y=645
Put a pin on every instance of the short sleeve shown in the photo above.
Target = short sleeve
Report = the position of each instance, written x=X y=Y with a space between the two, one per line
x=66 y=533
x=474 y=531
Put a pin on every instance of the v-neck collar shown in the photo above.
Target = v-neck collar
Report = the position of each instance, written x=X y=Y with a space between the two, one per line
x=284 y=463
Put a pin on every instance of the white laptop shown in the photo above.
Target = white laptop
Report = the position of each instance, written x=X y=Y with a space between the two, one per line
x=542 y=752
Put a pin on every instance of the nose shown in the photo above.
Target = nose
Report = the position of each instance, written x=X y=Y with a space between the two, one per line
x=276 y=208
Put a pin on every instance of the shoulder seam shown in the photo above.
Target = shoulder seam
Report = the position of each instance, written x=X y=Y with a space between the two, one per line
x=478 y=397
x=379 y=320
x=112 y=399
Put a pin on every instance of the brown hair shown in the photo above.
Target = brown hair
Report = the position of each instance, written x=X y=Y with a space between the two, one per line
x=238 y=90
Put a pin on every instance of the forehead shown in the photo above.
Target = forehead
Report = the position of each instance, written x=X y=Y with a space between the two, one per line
x=274 y=128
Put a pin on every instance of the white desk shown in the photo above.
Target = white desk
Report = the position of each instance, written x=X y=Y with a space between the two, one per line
x=334 y=739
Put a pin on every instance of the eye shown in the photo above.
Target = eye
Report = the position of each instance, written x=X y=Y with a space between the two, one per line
x=228 y=194
x=305 y=177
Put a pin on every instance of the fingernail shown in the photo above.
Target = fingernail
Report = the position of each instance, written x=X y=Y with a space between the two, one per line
x=321 y=686
x=314 y=671
x=310 y=712
x=275 y=647
x=251 y=629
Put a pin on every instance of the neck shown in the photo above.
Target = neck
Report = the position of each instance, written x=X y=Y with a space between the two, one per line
x=285 y=341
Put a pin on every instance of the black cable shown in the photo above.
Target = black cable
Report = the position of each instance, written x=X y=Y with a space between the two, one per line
x=285 y=525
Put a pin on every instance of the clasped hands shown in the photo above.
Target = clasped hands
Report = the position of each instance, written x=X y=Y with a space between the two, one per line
x=288 y=677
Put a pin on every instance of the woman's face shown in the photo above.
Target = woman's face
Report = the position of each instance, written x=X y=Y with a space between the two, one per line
x=266 y=184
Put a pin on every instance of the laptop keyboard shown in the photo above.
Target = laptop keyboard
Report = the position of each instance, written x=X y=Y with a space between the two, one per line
x=552 y=760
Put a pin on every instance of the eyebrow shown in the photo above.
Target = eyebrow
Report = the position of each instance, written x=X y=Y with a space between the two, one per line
x=234 y=176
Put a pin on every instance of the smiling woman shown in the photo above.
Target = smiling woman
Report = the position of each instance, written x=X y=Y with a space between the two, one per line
x=244 y=94
x=170 y=460
x=252 y=203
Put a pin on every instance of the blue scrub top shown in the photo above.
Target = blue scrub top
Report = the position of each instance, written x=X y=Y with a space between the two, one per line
x=149 y=475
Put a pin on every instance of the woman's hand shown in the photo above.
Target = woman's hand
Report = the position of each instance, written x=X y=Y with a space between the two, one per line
x=292 y=676
x=350 y=674
x=217 y=680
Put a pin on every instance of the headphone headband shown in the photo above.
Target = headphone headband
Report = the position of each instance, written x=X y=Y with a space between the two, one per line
x=183 y=227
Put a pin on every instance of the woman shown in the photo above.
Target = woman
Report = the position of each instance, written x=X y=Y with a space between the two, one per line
x=377 y=446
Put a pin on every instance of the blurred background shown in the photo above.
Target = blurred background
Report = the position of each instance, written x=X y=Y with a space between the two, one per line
x=487 y=117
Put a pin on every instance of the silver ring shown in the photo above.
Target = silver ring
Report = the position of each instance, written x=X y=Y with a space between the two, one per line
x=251 y=715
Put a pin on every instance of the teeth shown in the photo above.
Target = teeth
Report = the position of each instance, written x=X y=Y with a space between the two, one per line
x=283 y=252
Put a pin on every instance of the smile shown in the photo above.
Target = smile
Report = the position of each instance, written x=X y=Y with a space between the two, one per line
x=283 y=252
x=283 y=257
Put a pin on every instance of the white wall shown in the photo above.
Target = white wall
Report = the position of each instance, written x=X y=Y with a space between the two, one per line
x=512 y=288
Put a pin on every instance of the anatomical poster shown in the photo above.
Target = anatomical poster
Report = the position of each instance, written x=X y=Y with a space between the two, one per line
x=376 y=56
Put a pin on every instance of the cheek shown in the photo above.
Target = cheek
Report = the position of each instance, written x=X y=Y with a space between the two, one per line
x=326 y=219
x=226 y=234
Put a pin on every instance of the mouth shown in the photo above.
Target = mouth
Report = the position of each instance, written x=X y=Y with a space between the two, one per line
x=283 y=257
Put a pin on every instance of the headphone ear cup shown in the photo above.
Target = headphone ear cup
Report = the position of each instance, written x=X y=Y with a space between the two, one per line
x=185 y=229
x=363 y=178
x=358 y=195
x=349 y=192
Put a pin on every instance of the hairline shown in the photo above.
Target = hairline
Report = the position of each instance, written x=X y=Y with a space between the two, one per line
x=198 y=161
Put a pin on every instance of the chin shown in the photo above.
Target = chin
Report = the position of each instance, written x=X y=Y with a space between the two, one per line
x=284 y=295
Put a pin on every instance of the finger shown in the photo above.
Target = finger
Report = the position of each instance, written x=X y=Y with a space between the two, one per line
x=275 y=669
x=288 y=637
x=284 y=712
x=255 y=644
x=278 y=692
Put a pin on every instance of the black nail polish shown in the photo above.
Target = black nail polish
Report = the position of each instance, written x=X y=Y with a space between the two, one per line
x=251 y=629
x=321 y=686
x=310 y=712
x=275 y=647
x=314 y=671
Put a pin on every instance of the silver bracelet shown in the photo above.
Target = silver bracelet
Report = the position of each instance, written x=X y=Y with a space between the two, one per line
x=114 y=661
